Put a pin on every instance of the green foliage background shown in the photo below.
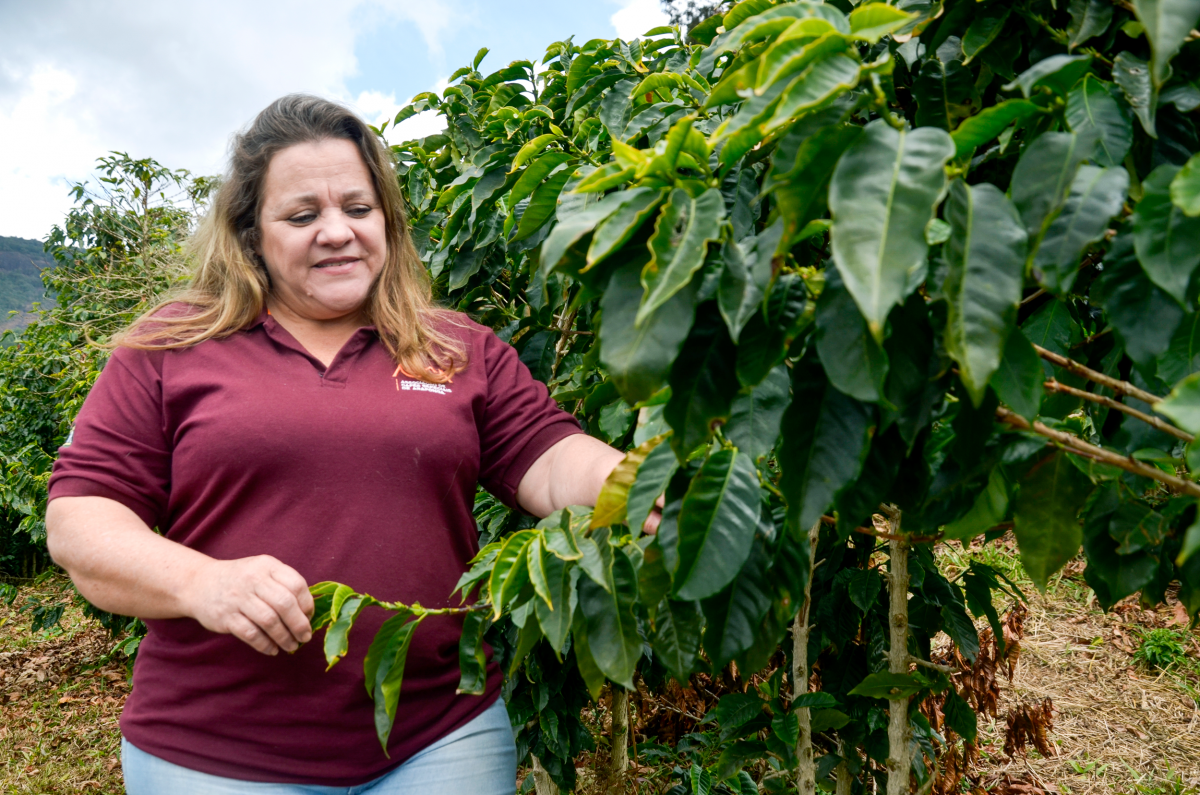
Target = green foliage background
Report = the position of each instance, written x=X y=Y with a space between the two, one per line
x=814 y=259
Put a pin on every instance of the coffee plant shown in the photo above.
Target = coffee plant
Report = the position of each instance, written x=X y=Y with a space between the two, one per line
x=845 y=280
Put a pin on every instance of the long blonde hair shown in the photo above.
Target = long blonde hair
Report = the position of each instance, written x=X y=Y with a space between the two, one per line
x=229 y=285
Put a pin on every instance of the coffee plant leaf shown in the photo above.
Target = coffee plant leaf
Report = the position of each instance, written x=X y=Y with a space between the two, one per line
x=882 y=195
x=986 y=258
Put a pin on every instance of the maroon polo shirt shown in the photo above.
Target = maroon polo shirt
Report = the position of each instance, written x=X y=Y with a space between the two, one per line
x=248 y=445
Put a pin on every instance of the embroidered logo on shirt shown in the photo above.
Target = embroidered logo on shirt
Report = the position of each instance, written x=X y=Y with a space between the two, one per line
x=423 y=386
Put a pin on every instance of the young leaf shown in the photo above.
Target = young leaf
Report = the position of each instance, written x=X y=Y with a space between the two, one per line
x=716 y=524
x=1045 y=516
x=873 y=21
x=610 y=505
x=555 y=618
x=543 y=202
x=570 y=229
x=986 y=255
x=651 y=481
x=882 y=195
x=1058 y=73
x=616 y=229
x=510 y=572
x=1185 y=188
x=975 y=131
x=388 y=654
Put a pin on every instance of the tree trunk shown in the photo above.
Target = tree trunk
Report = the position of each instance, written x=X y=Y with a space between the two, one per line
x=899 y=761
x=806 y=771
x=542 y=783
x=845 y=781
x=619 y=750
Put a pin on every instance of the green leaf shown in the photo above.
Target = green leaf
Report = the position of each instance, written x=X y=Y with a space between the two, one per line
x=1132 y=74
x=824 y=720
x=882 y=195
x=854 y=361
x=1129 y=297
x=887 y=685
x=510 y=572
x=555 y=620
x=815 y=699
x=543 y=203
x=1045 y=516
x=989 y=509
x=938 y=88
x=961 y=629
x=570 y=229
x=825 y=440
x=532 y=149
x=1058 y=74
x=986 y=258
x=768 y=334
x=803 y=43
x=534 y=173
x=1043 y=177
x=616 y=229
x=676 y=638
x=388 y=654
x=638 y=357
x=977 y=130
x=736 y=754
x=873 y=21
x=863 y=586
x=1185 y=188
x=1091 y=106
x=557 y=536
x=651 y=481
x=612 y=632
x=960 y=717
x=684 y=228
x=745 y=276
x=593 y=677
x=736 y=710
x=1097 y=194
x=1167 y=24
x=703 y=384
x=535 y=560
x=337 y=641
x=800 y=182
x=1182 y=357
x=1183 y=404
x=1166 y=240
x=733 y=618
x=472 y=657
x=755 y=417
x=1018 y=381
x=701 y=779
x=985 y=27
x=786 y=727
x=819 y=83
x=716 y=524
x=1089 y=18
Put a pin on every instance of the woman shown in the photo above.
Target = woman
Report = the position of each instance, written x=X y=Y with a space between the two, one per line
x=303 y=413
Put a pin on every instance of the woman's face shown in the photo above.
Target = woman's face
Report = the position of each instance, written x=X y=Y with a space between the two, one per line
x=322 y=230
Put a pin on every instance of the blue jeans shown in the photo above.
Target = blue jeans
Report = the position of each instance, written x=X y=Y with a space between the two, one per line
x=479 y=758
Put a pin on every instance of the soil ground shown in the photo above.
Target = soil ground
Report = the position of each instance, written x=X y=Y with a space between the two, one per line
x=1120 y=728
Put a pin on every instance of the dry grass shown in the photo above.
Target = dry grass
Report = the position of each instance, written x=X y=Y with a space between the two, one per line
x=59 y=703
x=1119 y=727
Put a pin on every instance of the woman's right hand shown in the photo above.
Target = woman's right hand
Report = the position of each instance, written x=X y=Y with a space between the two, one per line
x=258 y=600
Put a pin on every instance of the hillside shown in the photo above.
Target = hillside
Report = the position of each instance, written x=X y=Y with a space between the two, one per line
x=21 y=262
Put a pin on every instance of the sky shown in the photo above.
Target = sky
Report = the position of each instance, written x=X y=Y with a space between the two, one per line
x=174 y=80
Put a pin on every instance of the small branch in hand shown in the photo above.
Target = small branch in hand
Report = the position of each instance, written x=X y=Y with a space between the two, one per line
x=1116 y=385
x=1076 y=446
x=1055 y=386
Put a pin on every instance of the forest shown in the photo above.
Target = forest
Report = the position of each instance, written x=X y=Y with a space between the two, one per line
x=893 y=305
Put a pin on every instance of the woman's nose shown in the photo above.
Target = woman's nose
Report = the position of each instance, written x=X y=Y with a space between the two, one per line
x=334 y=231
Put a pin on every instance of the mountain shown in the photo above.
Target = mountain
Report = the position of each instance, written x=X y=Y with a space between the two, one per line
x=21 y=263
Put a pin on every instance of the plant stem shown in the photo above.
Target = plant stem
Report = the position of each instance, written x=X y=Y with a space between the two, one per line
x=1116 y=385
x=844 y=781
x=899 y=761
x=619 y=762
x=542 y=783
x=1054 y=386
x=806 y=770
x=1075 y=445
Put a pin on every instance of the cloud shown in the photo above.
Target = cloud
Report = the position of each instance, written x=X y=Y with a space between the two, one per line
x=637 y=17
x=171 y=81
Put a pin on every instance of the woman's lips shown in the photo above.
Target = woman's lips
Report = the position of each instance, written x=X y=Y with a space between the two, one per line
x=327 y=264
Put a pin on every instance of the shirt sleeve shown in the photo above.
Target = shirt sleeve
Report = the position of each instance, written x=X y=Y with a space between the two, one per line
x=119 y=447
x=520 y=420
